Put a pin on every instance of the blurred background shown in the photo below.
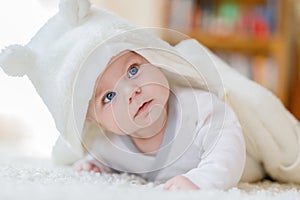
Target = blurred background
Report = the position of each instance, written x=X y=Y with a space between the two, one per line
x=259 y=38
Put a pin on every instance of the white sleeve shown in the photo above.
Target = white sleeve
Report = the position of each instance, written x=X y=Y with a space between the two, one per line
x=222 y=151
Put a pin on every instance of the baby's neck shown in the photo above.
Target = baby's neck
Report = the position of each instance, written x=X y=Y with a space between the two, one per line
x=150 y=145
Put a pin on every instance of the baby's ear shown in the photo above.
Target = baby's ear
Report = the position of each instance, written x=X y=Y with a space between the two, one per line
x=17 y=60
x=74 y=10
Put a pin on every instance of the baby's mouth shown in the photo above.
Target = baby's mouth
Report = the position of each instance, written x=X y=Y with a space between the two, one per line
x=143 y=107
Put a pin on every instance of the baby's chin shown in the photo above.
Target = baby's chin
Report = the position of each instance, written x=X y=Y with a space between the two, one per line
x=145 y=132
x=150 y=131
x=143 y=135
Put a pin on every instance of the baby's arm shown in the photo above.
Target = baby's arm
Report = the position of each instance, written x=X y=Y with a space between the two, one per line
x=222 y=150
x=222 y=166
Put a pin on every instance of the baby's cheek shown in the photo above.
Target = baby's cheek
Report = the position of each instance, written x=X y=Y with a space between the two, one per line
x=117 y=118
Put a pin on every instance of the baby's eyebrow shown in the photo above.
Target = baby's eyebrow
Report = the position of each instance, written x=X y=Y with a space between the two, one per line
x=128 y=63
x=98 y=93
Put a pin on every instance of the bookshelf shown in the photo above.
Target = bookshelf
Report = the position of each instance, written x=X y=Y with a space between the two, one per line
x=251 y=36
x=294 y=104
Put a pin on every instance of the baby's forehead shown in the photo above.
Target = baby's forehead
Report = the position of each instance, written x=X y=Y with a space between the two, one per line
x=117 y=68
x=125 y=55
x=122 y=61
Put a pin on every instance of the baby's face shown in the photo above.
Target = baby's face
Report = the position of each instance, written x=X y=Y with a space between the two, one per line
x=130 y=97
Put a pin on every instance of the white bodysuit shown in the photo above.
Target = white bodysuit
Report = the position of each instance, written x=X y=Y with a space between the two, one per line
x=203 y=141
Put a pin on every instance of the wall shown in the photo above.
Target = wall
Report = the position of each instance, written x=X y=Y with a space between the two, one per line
x=141 y=12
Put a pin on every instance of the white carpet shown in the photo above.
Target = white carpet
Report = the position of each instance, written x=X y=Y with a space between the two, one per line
x=24 y=178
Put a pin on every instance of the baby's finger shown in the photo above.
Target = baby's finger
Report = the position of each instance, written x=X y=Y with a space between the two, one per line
x=77 y=167
x=87 y=166
x=96 y=169
x=168 y=185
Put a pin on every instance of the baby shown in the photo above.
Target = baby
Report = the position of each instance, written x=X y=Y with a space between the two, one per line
x=132 y=98
x=130 y=102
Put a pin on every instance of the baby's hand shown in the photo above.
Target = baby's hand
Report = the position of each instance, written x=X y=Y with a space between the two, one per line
x=84 y=165
x=180 y=183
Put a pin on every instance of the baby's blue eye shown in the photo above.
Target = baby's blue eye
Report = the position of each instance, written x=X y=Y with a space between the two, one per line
x=133 y=70
x=109 y=96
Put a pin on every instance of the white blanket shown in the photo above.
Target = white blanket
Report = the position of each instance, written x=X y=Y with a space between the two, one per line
x=272 y=134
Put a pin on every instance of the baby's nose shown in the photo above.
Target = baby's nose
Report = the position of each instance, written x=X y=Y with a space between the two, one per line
x=136 y=91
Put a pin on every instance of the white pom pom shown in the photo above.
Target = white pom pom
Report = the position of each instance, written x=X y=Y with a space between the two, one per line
x=74 y=10
x=17 y=60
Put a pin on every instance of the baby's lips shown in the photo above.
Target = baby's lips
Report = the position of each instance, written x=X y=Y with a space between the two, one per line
x=141 y=106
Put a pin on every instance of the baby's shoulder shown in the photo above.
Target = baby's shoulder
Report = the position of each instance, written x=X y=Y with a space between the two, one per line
x=188 y=94
x=197 y=101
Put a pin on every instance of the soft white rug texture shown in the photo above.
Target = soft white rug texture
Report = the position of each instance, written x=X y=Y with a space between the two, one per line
x=36 y=178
